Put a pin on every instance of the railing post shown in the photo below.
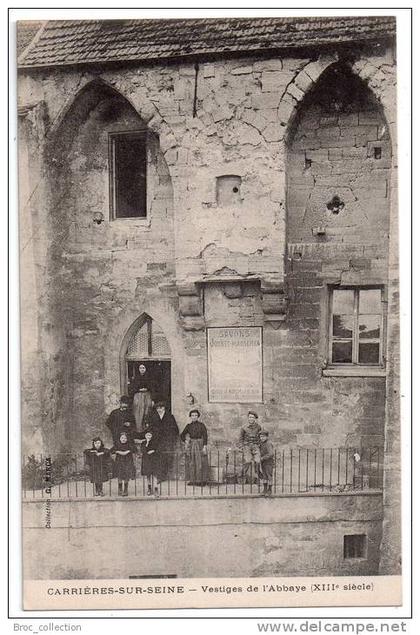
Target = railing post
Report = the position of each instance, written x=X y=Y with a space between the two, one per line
x=291 y=471
x=298 y=483
x=76 y=475
x=347 y=467
x=209 y=465
x=361 y=469
x=330 y=467
x=275 y=472
x=282 y=472
x=338 y=465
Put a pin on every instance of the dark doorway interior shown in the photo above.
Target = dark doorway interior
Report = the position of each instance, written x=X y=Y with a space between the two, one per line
x=159 y=373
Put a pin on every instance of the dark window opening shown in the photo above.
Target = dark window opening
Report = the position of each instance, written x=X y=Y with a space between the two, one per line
x=128 y=163
x=355 y=546
x=377 y=153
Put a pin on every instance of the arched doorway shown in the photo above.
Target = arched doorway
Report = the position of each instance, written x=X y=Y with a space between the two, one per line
x=145 y=344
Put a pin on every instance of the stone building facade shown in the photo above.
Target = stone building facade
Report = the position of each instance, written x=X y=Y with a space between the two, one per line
x=270 y=201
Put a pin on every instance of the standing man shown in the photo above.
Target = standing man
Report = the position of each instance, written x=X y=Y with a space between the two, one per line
x=165 y=429
x=119 y=417
x=249 y=442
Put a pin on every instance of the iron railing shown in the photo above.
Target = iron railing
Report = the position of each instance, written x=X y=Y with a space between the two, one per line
x=295 y=471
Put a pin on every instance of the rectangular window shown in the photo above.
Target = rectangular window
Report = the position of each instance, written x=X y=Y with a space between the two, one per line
x=355 y=546
x=356 y=326
x=128 y=166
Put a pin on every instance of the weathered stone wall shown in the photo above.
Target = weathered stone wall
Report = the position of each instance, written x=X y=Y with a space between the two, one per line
x=99 y=278
x=331 y=153
x=282 y=536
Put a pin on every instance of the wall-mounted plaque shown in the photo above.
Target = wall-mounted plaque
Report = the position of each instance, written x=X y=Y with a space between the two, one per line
x=235 y=364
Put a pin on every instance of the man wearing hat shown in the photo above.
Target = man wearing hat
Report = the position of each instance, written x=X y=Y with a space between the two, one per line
x=165 y=430
x=121 y=419
x=249 y=442
x=267 y=462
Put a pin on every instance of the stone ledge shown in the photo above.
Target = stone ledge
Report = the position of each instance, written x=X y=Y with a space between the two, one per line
x=152 y=499
x=353 y=371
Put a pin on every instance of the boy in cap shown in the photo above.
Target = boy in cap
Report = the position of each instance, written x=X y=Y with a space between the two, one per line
x=267 y=462
x=249 y=442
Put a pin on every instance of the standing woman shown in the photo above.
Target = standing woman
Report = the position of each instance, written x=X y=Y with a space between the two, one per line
x=141 y=388
x=195 y=438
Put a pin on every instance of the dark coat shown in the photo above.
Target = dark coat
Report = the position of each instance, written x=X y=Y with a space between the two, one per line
x=267 y=451
x=99 y=464
x=166 y=435
x=165 y=431
x=116 y=420
x=150 y=462
x=124 y=468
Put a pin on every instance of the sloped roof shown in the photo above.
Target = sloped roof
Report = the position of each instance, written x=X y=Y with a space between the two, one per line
x=25 y=33
x=69 y=42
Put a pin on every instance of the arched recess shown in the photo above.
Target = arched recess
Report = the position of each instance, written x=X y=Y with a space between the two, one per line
x=338 y=163
x=145 y=343
x=79 y=164
x=94 y=264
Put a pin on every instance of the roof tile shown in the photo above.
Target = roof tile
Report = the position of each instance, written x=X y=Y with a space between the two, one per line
x=89 y=41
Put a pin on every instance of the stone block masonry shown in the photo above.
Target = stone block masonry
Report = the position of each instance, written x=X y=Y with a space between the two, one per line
x=96 y=271
x=312 y=165
x=283 y=536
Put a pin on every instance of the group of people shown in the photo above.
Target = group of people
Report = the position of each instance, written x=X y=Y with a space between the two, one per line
x=140 y=426
x=156 y=441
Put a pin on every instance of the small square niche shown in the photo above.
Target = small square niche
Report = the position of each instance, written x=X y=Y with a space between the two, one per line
x=355 y=546
x=228 y=190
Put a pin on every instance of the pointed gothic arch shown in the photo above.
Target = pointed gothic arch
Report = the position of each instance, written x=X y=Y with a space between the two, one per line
x=145 y=343
x=339 y=156
x=83 y=101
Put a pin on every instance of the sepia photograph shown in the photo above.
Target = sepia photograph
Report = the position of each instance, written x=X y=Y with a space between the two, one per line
x=209 y=311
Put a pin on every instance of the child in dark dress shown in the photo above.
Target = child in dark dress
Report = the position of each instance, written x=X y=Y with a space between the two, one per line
x=150 y=461
x=98 y=461
x=124 y=469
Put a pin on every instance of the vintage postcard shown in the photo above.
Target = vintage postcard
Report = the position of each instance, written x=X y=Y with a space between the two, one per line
x=209 y=286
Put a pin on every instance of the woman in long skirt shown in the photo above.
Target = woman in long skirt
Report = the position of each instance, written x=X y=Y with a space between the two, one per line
x=142 y=397
x=195 y=438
